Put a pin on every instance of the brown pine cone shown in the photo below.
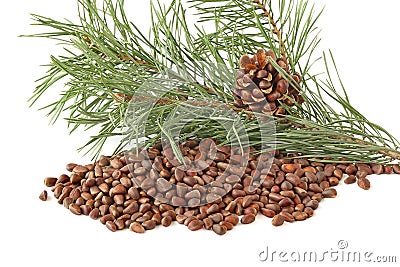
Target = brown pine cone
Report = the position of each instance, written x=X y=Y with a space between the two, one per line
x=261 y=88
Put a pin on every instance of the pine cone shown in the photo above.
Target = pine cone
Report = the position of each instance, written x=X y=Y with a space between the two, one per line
x=261 y=88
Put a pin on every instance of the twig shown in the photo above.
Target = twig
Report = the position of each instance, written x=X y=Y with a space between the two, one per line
x=275 y=30
x=390 y=154
x=123 y=57
x=169 y=101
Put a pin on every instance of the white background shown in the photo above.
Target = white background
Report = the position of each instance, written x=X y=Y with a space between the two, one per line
x=364 y=38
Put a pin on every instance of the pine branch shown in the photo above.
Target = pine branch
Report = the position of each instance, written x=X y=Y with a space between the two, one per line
x=112 y=70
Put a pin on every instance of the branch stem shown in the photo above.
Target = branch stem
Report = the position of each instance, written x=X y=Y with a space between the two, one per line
x=388 y=153
x=275 y=29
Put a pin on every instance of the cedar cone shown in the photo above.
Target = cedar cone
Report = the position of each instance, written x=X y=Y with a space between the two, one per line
x=261 y=88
